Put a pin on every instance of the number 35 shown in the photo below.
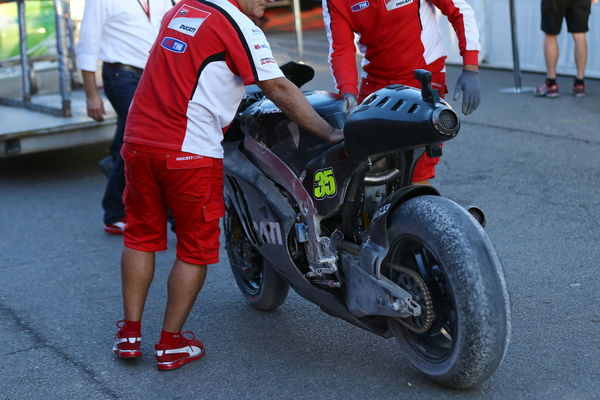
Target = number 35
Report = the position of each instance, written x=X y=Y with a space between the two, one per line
x=324 y=184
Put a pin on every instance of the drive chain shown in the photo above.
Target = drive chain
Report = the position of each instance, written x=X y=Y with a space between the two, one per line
x=420 y=293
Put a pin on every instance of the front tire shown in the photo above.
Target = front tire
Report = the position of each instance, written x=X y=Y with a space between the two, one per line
x=448 y=249
x=256 y=278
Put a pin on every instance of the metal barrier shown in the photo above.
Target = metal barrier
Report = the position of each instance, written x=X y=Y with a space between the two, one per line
x=65 y=57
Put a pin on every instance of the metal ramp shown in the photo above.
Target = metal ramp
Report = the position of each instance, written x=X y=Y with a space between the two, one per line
x=23 y=131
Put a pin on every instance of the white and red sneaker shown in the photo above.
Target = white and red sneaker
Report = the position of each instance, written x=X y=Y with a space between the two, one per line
x=116 y=228
x=170 y=357
x=127 y=344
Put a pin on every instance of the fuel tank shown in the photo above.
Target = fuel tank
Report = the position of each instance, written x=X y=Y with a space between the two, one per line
x=266 y=123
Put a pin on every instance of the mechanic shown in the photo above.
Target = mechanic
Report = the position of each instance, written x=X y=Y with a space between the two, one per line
x=205 y=54
x=396 y=37
x=119 y=33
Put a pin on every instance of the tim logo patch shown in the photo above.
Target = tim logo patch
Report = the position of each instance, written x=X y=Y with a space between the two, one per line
x=393 y=4
x=359 y=6
x=174 y=45
x=188 y=20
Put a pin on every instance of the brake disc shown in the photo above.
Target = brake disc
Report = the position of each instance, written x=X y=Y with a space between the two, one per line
x=412 y=282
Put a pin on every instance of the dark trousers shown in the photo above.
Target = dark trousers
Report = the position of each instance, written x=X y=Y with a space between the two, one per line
x=119 y=87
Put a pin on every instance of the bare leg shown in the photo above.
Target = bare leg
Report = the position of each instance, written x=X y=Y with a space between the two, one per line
x=185 y=282
x=581 y=53
x=551 y=54
x=137 y=271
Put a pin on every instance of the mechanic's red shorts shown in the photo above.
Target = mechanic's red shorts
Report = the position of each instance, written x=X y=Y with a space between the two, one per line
x=191 y=186
x=425 y=167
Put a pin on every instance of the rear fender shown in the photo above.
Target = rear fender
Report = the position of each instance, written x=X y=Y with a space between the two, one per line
x=374 y=250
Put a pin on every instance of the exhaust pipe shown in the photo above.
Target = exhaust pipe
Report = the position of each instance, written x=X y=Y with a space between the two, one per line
x=478 y=214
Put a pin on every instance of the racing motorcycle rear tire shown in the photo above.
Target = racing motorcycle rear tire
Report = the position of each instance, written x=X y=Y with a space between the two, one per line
x=470 y=325
x=254 y=275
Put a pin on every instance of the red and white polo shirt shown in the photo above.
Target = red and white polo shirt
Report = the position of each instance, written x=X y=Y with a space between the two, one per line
x=205 y=54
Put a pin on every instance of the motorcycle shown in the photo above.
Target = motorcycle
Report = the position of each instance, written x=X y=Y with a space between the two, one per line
x=345 y=228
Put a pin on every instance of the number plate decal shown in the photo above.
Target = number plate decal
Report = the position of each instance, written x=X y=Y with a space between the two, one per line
x=324 y=184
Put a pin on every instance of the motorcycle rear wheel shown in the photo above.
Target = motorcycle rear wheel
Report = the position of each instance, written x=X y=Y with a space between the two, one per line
x=450 y=251
x=260 y=284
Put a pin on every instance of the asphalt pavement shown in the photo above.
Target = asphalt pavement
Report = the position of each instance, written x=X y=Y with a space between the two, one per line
x=531 y=164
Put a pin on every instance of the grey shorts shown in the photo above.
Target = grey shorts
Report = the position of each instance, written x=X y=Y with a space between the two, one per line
x=576 y=12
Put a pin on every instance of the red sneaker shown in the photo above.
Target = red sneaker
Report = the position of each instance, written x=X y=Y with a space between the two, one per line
x=578 y=90
x=174 y=356
x=546 y=90
x=127 y=344
x=116 y=228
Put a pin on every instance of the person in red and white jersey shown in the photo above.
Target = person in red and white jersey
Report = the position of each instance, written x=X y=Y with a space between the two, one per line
x=396 y=37
x=205 y=54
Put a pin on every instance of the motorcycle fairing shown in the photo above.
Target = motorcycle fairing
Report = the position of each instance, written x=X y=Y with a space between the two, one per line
x=255 y=196
x=318 y=253
x=256 y=199
x=280 y=172
x=342 y=167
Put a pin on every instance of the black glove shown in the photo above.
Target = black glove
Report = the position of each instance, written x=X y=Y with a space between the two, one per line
x=468 y=83
x=350 y=102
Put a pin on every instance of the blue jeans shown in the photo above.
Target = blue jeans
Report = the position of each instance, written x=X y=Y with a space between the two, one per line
x=119 y=87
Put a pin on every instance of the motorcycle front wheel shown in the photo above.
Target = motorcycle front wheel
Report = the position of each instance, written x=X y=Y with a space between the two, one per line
x=260 y=284
x=462 y=336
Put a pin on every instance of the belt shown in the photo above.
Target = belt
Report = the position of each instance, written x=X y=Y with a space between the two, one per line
x=123 y=67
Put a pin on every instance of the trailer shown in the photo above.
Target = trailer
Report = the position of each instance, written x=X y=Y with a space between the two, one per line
x=47 y=110
x=23 y=131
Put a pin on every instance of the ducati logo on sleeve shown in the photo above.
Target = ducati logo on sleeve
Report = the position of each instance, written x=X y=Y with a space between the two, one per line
x=393 y=4
x=188 y=20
